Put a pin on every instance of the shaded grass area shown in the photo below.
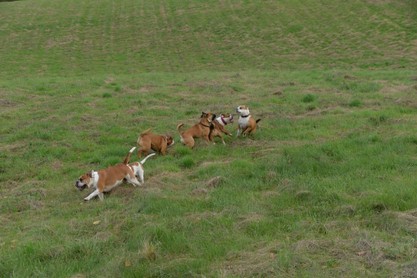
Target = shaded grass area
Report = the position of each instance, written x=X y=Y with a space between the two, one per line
x=324 y=187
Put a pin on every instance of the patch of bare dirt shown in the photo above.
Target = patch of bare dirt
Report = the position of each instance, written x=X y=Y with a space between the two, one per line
x=214 y=182
x=146 y=89
x=394 y=89
x=124 y=190
x=247 y=219
x=199 y=192
x=407 y=219
x=157 y=183
x=196 y=217
x=7 y=103
x=257 y=262
x=379 y=2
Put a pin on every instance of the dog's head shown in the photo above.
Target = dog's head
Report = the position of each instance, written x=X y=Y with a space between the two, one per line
x=209 y=117
x=227 y=118
x=170 y=140
x=85 y=181
x=242 y=110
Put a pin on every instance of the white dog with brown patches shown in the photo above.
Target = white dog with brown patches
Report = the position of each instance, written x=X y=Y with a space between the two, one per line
x=219 y=125
x=246 y=124
x=107 y=179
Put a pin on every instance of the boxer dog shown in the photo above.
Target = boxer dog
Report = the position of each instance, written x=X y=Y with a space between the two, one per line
x=148 y=141
x=107 y=179
x=246 y=123
x=199 y=130
x=219 y=127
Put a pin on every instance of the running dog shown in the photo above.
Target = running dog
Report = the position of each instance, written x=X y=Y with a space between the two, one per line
x=148 y=141
x=219 y=127
x=107 y=179
x=199 y=130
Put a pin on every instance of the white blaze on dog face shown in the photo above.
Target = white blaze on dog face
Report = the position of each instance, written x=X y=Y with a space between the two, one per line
x=243 y=110
x=85 y=180
x=227 y=117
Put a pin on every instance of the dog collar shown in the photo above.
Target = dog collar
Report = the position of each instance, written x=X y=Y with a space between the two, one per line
x=204 y=125
x=245 y=116
x=224 y=122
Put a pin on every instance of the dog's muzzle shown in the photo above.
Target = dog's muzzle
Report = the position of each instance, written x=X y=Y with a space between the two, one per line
x=80 y=185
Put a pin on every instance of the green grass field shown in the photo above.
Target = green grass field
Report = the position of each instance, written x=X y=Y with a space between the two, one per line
x=325 y=188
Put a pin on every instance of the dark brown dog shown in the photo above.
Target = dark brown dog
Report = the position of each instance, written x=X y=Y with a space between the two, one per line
x=199 y=130
x=148 y=141
x=219 y=127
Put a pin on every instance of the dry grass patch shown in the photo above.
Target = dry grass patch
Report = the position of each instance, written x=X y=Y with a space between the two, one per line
x=259 y=261
x=245 y=220
x=407 y=219
x=149 y=250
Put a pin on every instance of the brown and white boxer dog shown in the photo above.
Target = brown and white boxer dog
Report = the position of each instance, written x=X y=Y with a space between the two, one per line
x=246 y=123
x=107 y=179
x=148 y=141
x=199 y=130
x=219 y=127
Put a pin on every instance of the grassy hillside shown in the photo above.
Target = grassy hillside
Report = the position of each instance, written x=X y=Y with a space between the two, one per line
x=325 y=188
x=89 y=37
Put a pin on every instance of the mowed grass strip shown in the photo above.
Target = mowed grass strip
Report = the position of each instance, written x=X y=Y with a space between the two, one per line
x=78 y=37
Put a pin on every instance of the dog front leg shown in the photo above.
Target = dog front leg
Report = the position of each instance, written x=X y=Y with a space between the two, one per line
x=133 y=179
x=140 y=177
x=207 y=139
x=135 y=182
x=94 y=194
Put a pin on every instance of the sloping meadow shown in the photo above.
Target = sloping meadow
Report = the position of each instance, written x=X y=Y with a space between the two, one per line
x=325 y=187
x=318 y=189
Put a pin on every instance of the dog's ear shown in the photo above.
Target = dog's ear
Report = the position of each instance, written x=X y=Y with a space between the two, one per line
x=90 y=174
x=202 y=114
x=213 y=117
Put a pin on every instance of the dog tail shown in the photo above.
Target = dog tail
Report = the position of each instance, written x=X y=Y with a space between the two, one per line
x=179 y=127
x=139 y=141
x=257 y=121
x=146 y=131
x=127 y=158
x=144 y=160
